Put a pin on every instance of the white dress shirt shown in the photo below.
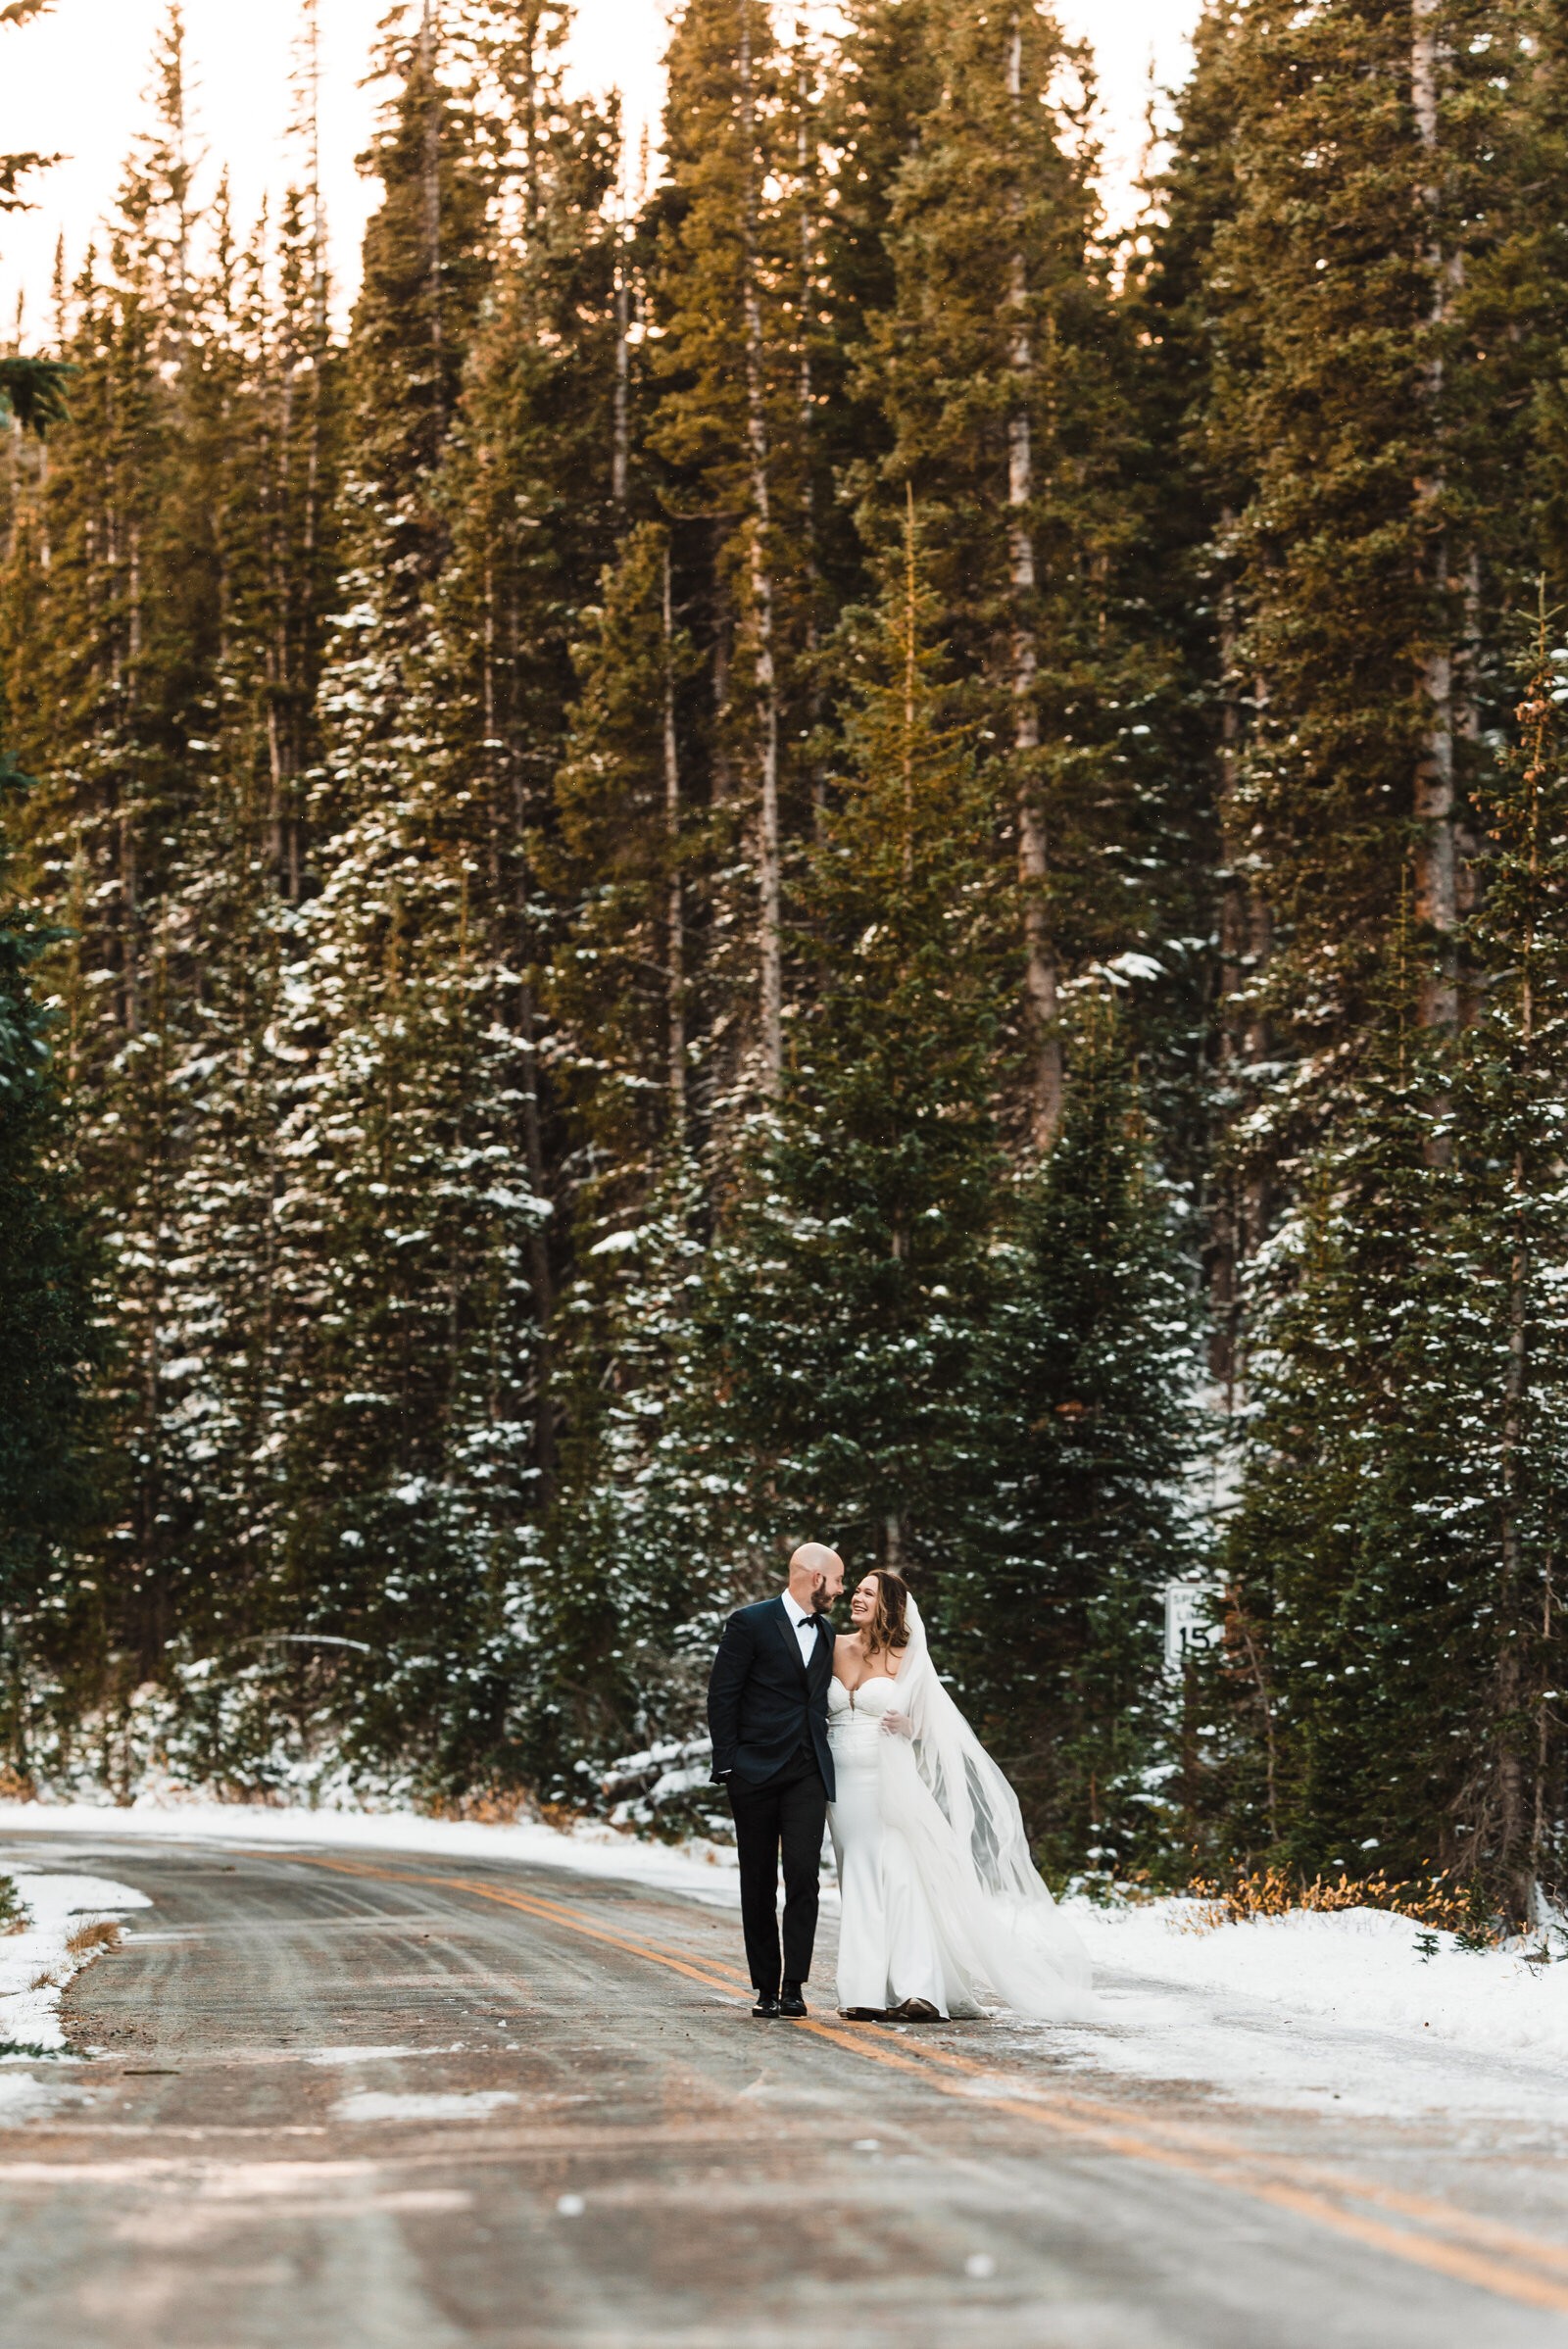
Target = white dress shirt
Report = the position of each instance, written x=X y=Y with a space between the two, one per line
x=804 y=1622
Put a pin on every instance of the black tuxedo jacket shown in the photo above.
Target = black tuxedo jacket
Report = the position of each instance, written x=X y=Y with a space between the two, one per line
x=761 y=1700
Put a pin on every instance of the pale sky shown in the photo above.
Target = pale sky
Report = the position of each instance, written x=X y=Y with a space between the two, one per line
x=73 y=82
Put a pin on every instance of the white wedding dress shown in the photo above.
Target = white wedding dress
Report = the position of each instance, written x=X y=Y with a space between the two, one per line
x=940 y=1900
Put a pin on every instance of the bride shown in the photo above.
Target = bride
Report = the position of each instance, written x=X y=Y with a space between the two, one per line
x=942 y=1906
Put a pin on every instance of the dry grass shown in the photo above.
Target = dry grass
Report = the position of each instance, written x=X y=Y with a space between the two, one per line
x=46 y=1982
x=497 y=1806
x=99 y=1933
x=1434 y=1901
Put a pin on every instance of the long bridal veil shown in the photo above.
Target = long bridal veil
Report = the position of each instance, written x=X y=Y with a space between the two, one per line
x=994 y=1916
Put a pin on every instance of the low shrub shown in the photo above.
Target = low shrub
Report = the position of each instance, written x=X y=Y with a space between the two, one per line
x=1434 y=1901
x=99 y=1933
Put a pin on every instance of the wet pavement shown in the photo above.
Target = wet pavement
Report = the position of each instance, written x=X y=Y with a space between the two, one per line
x=340 y=2100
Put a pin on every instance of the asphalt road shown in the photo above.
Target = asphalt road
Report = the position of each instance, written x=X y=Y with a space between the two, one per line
x=351 y=2101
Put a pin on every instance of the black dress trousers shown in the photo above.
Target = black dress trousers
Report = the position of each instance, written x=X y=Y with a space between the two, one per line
x=785 y=1815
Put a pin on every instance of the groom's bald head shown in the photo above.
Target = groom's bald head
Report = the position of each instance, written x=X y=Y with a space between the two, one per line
x=816 y=1574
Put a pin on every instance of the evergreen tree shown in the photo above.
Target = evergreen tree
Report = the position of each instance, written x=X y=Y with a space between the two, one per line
x=726 y=294
x=534 y=492
x=620 y=988
x=996 y=364
x=1088 y=1398
x=47 y=1299
x=1396 y=1542
x=31 y=387
x=854 y=1277
x=113 y=612
x=421 y=1453
x=1180 y=579
x=48 y=1470
x=639 y=1551
x=1351 y=1655
x=1366 y=400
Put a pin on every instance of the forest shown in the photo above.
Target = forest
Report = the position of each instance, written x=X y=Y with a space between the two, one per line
x=805 y=846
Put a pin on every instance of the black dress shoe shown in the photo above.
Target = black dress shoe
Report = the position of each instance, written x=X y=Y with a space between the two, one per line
x=768 y=2005
x=792 y=2003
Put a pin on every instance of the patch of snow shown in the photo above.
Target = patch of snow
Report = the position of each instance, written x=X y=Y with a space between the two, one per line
x=355 y=2055
x=1342 y=2013
x=17 y=2091
x=708 y=1870
x=1363 y=1968
x=59 y=1906
x=370 y=2104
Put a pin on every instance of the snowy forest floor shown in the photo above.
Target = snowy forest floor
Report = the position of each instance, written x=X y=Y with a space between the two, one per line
x=1361 y=2008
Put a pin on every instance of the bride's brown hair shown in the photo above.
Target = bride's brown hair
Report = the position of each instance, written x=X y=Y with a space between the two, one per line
x=888 y=1626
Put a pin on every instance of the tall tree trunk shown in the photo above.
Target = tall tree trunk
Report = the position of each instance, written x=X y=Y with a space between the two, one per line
x=769 y=889
x=618 y=452
x=676 y=919
x=1244 y=942
x=1039 y=964
x=814 y=572
x=431 y=173
x=1517 y=1848
x=320 y=331
x=1436 y=859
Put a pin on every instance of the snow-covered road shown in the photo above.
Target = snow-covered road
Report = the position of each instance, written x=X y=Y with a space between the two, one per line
x=1361 y=2008
x=414 y=2086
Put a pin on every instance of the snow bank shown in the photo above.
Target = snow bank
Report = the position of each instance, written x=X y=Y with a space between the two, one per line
x=707 y=1870
x=59 y=1905
x=1360 y=1969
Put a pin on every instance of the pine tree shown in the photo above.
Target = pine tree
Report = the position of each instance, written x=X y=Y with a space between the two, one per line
x=1180 y=576
x=46 y=1297
x=1366 y=402
x=1511 y=1105
x=1087 y=1396
x=420 y=1457
x=31 y=388
x=619 y=988
x=996 y=365
x=49 y=1476
x=114 y=615
x=1395 y=1547
x=639 y=1551
x=1349 y=1651
x=534 y=491
x=855 y=1276
x=726 y=295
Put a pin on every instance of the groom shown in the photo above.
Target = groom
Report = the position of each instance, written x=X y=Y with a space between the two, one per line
x=767 y=1711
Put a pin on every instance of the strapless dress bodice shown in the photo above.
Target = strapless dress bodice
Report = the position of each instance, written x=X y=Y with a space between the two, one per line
x=849 y=1708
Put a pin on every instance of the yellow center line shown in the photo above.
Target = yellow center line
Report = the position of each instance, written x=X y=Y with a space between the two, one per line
x=710 y=1980
x=1196 y=2152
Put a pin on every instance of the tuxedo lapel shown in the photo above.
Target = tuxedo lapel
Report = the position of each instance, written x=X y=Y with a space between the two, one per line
x=823 y=1657
x=791 y=1639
